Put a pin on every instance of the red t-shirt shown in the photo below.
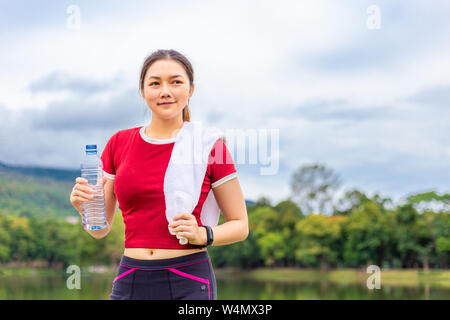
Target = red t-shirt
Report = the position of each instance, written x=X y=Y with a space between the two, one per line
x=138 y=165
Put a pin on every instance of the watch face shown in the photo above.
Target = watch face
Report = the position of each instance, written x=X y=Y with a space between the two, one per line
x=210 y=235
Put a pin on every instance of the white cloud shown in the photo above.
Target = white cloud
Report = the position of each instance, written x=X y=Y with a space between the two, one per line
x=254 y=68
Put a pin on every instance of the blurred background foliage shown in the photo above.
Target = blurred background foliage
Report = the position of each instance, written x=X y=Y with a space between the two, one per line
x=39 y=227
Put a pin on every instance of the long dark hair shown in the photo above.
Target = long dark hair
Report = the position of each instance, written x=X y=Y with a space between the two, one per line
x=174 y=55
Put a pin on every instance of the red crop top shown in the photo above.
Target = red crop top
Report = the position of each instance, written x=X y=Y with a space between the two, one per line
x=138 y=164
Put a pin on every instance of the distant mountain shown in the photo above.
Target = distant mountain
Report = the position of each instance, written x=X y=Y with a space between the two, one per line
x=40 y=172
x=36 y=192
x=250 y=202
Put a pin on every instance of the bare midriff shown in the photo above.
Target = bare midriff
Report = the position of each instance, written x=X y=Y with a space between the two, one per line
x=153 y=253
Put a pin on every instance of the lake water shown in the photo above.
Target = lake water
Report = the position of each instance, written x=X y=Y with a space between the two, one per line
x=98 y=287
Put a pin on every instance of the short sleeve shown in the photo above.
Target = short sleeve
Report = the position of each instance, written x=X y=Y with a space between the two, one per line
x=221 y=166
x=108 y=159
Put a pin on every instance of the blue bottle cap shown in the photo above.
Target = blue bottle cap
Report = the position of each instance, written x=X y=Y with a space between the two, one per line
x=91 y=147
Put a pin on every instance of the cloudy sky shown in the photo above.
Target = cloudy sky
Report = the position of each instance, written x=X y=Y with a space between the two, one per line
x=362 y=87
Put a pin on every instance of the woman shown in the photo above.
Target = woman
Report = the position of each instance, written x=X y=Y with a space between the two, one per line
x=154 y=264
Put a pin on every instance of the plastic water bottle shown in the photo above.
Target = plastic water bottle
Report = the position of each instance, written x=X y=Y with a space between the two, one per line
x=94 y=217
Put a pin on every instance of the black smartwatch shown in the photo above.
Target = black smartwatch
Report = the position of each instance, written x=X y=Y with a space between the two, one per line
x=209 y=238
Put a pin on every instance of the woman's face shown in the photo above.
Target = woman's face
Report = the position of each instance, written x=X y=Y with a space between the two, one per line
x=166 y=81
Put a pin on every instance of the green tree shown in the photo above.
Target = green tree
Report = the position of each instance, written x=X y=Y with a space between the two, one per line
x=313 y=186
x=262 y=202
x=20 y=231
x=413 y=236
x=264 y=223
x=368 y=235
x=351 y=200
x=318 y=236
x=5 y=241
x=440 y=230
x=288 y=216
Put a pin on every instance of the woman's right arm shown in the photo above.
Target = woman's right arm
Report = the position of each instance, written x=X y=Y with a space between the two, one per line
x=81 y=193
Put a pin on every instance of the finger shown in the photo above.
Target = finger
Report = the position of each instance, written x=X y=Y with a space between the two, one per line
x=187 y=235
x=82 y=194
x=183 y=218
x=171 y=231
x=81 y=180
x=182 y=228
x=83 y=188
x=176 y=223
x=79 y=199
x=181 y=222
x=182 y=215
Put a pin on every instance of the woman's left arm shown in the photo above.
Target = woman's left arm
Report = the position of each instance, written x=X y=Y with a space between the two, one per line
x=231 y=202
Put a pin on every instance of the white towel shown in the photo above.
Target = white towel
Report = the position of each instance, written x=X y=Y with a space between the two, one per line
x=186 y=172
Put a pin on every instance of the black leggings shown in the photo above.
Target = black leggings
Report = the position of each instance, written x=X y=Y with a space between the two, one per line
x=187 y=277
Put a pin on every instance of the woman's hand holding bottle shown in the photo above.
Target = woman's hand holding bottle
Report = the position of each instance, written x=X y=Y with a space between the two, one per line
x=81 y=193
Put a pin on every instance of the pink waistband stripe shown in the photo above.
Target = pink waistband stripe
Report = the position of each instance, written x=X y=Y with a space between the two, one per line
x=184 y=265
x=124 y=274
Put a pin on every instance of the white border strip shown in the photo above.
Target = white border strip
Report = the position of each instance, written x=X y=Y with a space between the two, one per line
x=154 y=141
x=224 y=179
x=109 y=176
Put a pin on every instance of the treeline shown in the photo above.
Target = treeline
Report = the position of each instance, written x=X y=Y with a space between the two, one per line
x=56 y=243
x=366 y=233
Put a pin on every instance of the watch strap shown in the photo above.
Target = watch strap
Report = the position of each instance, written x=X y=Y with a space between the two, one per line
x=209 y=238
x=209 y=235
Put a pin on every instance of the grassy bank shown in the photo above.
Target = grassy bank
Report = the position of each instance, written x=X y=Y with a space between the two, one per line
x=391 y=277
x=24 y=271
x=28 y=271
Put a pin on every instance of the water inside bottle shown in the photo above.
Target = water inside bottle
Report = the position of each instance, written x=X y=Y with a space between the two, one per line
x=94 y=209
